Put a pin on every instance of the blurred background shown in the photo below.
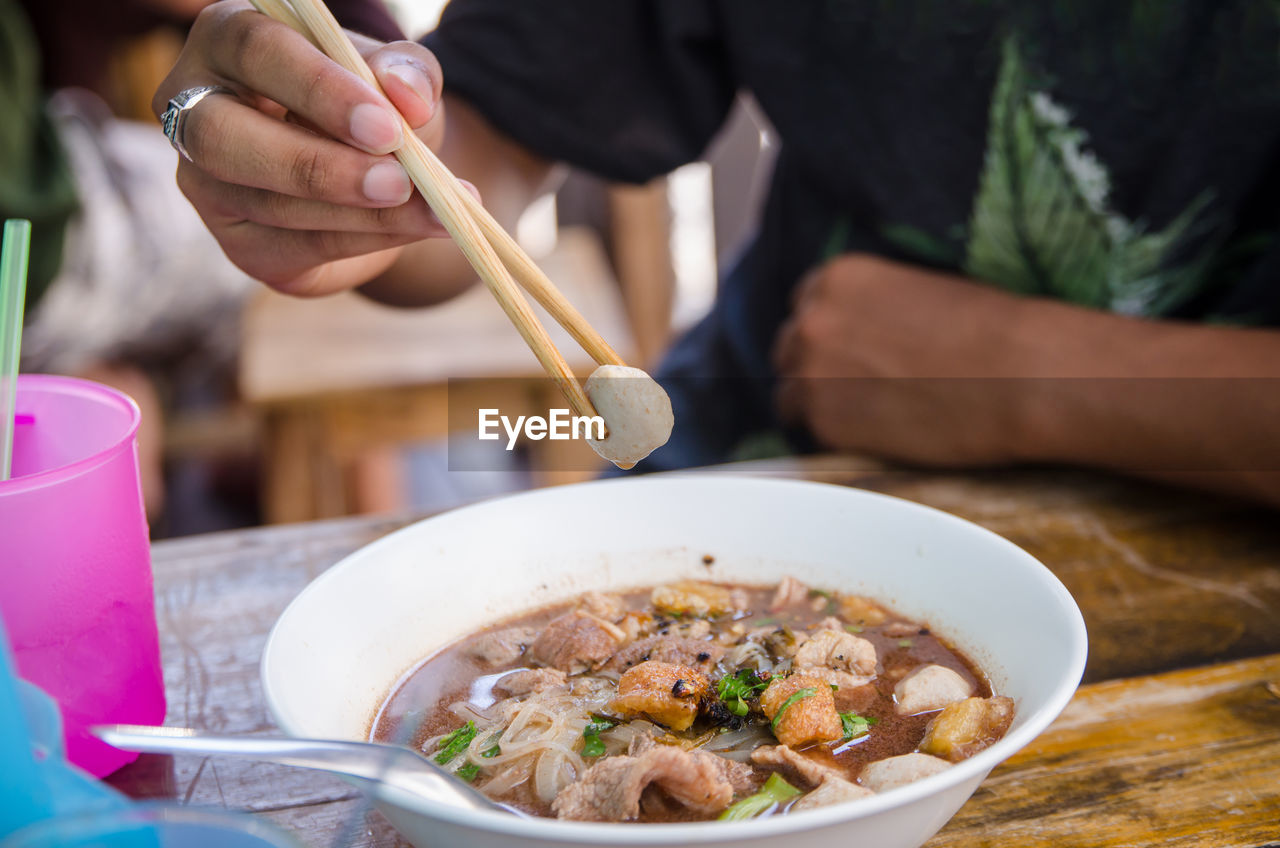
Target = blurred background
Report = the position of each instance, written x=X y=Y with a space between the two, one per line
x=291 y=410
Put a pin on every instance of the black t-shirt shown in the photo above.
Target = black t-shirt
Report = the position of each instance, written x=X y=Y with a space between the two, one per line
x=1118 y=154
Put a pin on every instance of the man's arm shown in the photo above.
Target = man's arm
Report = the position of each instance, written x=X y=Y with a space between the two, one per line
x=931 y=368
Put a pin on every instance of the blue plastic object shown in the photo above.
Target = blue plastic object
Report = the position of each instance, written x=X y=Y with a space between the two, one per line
x=45 y=802
x=37 y=782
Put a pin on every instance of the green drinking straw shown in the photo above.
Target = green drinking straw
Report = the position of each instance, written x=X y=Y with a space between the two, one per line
x=13 y=290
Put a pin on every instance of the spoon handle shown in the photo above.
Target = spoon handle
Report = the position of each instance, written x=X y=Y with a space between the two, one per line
x=351 y=758
x=382 y=764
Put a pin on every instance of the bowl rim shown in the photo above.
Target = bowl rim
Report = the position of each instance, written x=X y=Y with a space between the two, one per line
x=630 y=833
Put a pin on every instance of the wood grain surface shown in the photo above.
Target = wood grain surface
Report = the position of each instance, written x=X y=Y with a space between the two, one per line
x=1178 y=743
x=1180 y=759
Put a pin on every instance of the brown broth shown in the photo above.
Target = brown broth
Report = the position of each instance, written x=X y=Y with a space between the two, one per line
x=416 y=709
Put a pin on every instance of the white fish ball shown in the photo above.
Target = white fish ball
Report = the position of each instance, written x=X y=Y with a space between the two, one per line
x=636 y=412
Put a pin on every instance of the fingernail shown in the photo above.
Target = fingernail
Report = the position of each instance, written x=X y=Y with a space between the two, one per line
x=387 y=182
x=418 y=82
x=375 y=129
x=475 y=192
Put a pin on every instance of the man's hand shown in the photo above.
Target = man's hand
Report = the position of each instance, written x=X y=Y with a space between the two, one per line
x=293 y=177
x=930 y=368
x=870 y=356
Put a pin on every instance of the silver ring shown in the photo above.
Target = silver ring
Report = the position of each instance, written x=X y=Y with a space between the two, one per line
x=174 y=118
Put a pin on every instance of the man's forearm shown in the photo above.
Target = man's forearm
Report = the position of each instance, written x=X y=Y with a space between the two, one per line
x=893 y=360
x=1190 y=403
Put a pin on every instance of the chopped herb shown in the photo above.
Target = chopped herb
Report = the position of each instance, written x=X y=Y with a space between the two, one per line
x=905 y=643
x=734 y=689
x=819 y=593
x=592 y=744
x=834 y=688
x=456 y=742
x=775 y=792
x=853 y=628
x=855 y=725
x=468 y=772
x=798 y=695
x=490 y=753
x=764 y=622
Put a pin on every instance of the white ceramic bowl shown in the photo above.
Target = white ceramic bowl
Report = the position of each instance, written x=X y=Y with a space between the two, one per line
x=351 y=634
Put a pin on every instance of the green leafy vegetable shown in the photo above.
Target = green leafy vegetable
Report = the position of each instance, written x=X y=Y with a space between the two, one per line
x=776 y=791
x=592 y=744
x=855 y=725
x=734 y=689
x=798 y=695
x=468 y=772
x=456 y=742
x=490 y=753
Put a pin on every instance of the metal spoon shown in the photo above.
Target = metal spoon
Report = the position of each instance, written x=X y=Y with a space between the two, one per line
x=384 y=765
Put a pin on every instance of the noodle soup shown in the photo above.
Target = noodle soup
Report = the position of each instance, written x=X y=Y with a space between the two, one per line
x=695 y=701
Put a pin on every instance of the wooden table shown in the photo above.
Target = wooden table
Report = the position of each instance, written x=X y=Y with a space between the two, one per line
x=1173 y=741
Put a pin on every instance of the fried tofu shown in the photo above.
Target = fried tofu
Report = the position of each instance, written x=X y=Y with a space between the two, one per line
x=966 y=727
x=802 y=710
x=692 y=598
x=667 y=693
x=856 y=609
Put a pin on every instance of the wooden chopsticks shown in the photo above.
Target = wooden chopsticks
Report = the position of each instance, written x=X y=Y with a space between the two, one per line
x=495 y=255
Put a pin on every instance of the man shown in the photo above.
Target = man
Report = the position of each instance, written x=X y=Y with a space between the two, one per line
x=998 y=231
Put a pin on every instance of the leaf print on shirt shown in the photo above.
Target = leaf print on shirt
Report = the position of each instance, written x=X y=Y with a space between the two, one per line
x=1042 y=223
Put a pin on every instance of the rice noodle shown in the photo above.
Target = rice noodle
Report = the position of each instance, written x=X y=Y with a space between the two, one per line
x=738 y=744
x=748 y=655
x=538 y=737
x=506 y=780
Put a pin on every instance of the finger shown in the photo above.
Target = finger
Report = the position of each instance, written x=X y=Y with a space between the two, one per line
x=270 y=59
x=293 y=261
x=470 y=187
x=226 y=204
x=411 y=78
x=238 y=144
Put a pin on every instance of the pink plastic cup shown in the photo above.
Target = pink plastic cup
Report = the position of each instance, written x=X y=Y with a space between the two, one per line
x=75 y=562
